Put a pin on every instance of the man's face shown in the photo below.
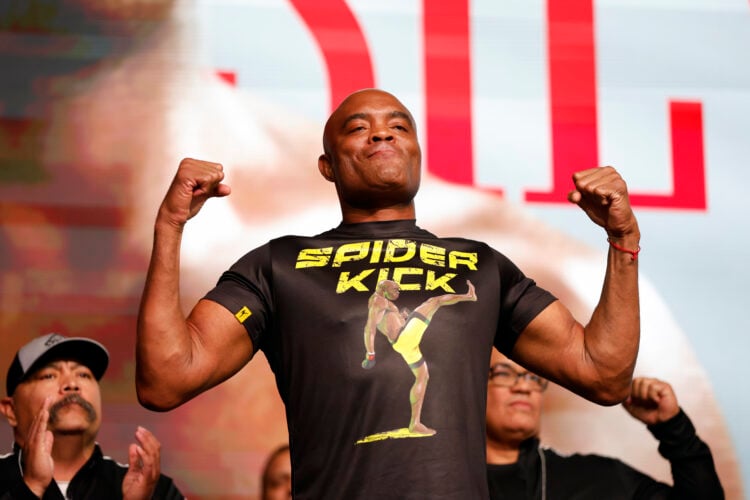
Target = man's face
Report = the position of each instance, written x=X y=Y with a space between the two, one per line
x=75 y=400
x=372 y=151
x=513 y=413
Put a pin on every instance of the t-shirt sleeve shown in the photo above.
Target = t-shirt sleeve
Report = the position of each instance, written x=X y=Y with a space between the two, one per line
x=521 y=301
x=245 y=290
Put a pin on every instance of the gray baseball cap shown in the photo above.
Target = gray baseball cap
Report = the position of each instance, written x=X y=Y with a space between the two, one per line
x=53 y=346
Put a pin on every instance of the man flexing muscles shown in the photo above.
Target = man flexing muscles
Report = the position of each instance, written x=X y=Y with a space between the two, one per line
x=404 y=331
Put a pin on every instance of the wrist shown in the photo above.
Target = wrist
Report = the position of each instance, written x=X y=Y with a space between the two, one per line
x=630 y=235
x=627 y=232
x=165 y=226
x=35 y=487
x=678 y=425
x=632 y=250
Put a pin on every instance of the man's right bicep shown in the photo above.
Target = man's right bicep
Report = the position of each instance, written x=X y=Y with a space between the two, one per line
x=220 y=340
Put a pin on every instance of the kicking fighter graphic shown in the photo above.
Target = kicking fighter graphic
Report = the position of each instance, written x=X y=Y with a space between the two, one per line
x=404 y=331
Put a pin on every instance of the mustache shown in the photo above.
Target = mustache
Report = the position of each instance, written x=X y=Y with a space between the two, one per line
x=68 y=400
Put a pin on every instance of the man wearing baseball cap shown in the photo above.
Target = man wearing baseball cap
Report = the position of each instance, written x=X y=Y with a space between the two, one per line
x=53 y=404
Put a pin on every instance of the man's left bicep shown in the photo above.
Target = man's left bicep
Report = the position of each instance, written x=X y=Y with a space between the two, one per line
x=550 y=342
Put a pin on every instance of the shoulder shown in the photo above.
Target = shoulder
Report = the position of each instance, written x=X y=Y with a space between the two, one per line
x=109 y=463
x=9 y=466
x=579 y=461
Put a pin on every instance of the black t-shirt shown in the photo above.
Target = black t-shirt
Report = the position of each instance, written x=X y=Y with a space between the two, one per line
x=305 y=302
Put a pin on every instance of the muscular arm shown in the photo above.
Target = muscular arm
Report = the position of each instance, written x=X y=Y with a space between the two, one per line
x=374 y=316
x=375 y=312
x=595 y=360
x=177 y=357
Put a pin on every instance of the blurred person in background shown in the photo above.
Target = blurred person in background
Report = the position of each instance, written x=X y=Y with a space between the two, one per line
x=276 y=481
x=54 y=407
x=519 y=467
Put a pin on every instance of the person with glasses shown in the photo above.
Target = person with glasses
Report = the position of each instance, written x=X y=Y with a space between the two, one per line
x=519 y=467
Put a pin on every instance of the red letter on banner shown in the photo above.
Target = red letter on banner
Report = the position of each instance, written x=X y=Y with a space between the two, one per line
x=572 y=87
x=572 y=73
x=344 y=48
x=688 y=167
x=448 y=90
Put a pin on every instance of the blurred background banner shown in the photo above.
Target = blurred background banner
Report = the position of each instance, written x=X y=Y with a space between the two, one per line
x=99 y=101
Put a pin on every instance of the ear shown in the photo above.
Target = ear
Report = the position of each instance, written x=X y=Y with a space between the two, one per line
x=325 y=168
x=7 y=409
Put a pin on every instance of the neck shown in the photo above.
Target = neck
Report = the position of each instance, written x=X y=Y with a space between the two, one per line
x=502 y=452
x=70 y=453
x=353 y=215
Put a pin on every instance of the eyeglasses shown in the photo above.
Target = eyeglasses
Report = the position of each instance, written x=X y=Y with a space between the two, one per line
x=503 y=375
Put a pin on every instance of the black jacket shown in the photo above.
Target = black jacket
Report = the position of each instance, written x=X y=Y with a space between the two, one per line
x=100 y=478
x=594 y=477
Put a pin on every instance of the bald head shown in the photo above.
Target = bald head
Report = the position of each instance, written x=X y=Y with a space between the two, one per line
x=347 y=111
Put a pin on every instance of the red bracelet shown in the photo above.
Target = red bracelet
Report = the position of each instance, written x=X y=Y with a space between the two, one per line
x=633 y=253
